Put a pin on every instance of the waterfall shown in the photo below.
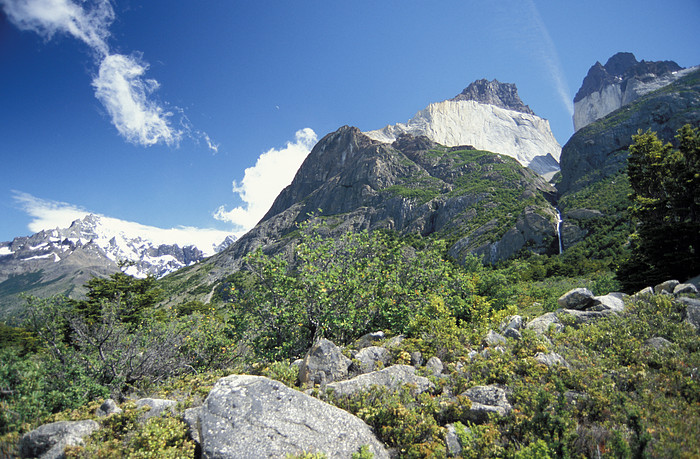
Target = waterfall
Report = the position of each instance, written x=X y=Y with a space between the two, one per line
x=561 y=247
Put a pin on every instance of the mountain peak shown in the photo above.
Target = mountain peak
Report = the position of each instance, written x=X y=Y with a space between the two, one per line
x=503 y=95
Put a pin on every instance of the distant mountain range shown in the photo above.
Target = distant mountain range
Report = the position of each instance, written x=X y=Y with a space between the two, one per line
x=63 y=259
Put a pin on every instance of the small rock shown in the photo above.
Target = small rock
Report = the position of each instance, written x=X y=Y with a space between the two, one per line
x=685 y=289
x=372 y=358
x=454 y=447
x=434 y=366
x=108 y=407
x=369 y=339
x=578 y=298
x=157 y=406
x=646 y=291
x=324 y=362
x=551 y=359
x=609 y=302
x=485 y=401
x=416 y=358
x=394 y=342
x=541 y=324
x=667 y=286
x=513 y=333
x=50 y=440
x=392 y=378
x=585 y=317
x=514 y=323
x=494 y=339
x=658 y=343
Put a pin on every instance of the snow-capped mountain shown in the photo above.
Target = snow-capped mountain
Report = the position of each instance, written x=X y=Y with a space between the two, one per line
x=147 y=250
x=487 y=115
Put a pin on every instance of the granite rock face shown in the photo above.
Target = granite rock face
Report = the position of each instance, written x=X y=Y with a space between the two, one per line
x=50 y=440
x=256 y=417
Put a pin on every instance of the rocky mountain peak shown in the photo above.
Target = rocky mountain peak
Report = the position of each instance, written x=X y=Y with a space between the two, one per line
x=503 y=95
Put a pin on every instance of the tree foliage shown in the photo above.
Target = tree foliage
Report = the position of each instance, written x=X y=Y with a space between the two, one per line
x=666 y=204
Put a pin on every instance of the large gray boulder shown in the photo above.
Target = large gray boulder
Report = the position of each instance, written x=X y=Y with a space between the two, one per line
x=255 y=417
x=666 y=287
x=486 y=400
x=578 y=298
x=582 y=317
x=392 y=378
x=692 y=312
x=685 y=289
x=323 y=363
x=541 y=324
x=610 y=302
x=551 y=359
x=50 y=440
x=371 y=358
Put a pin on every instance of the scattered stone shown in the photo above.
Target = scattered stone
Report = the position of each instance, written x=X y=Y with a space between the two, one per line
x=514 y=323
x=394 y=342
x=578 y=298
x=416 y=358
x=253 y=416
x=658 y=343
x=583 y=317
x=513 y=333
x=551 y=359
x=324 y=362
x=392 y=378
x=685 y=289
x=667 y=286
x=486 y=400
x=50 y=440
x=372 y=358
x=472 y=354
x=494 y=339
x=157 y=406
x=646 y=291
x=369 y=339
x=108 y=407
x=692 y=311
x=541 y=324
x=609 y=302
x=454 y=447
x=434 y=366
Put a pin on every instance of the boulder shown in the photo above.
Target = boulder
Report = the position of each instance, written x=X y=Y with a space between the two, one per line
x=643 y=292
x=541 y=324
x=323 y=363
x=486 y=400
x=50 y=440
x=583 y=317
x=157 y=406
x=609 y=302
x=434 y=366
x=108 y=407
x=685 y=289
x=692 y=312
x=392 y=378
x=513 y=333
x=454 y=447
x=578 y=298
x=551 y=359
x=369 y=339
x=394 y=342
x=255 y=417
x=416 y=358
x=514 y=323
x=371 y=358
x=666 y=287
x=658 y=343
x=494 y=339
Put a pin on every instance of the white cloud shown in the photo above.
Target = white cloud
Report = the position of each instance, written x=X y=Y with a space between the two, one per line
x=123 y=91
x=261 y=183
x=47 y=215
x=120 y=83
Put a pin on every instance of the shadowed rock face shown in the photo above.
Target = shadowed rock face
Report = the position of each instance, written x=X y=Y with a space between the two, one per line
x=619 y=82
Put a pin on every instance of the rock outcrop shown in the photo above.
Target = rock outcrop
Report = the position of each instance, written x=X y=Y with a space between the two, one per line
x=619 y=82
x=489 y=116
x=255 y=417
x=50 y=440
x=391 y=378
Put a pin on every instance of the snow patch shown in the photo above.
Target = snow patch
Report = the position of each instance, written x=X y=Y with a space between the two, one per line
x=5 y=251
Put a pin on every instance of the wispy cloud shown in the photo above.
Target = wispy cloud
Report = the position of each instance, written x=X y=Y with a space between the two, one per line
x=120 y=83
x=47 y=215
x=261 y=183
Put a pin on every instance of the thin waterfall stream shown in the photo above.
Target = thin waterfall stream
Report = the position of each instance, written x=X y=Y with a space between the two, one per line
x=559 y=221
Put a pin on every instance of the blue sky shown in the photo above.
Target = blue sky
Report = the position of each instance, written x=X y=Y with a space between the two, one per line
x=218 y=87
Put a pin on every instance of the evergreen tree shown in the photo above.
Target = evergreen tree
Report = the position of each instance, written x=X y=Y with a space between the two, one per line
x=666 y=204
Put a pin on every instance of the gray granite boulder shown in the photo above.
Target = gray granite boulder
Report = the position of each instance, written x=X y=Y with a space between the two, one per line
x=324 y=362
x=369 y=339
x=434 y=366
x=658 y=343
x=578 y=298
x=685 y=289
x=255 y=417
x=454 y=447
x=494 y=339
x=582 y=317
x=156 y=407
x=666 y=287
x=50 y=440
x=692 y=312
x=108 y=407
x=610 y=302
x=391 y=377
x=486 y=400
x=551 y=359
x=541 y=324
x=371 y=358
